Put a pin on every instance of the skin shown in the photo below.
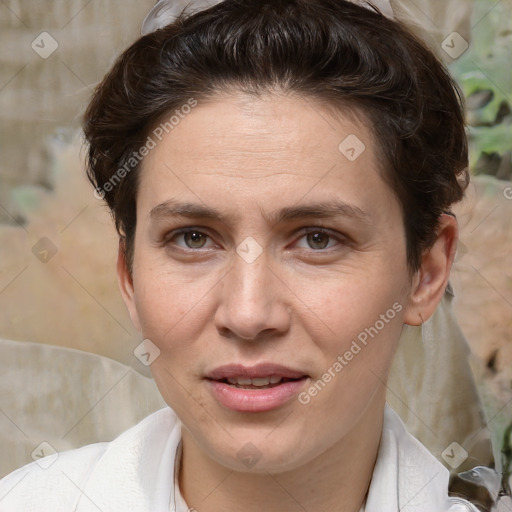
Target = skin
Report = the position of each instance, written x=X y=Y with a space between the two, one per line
x=300 y=303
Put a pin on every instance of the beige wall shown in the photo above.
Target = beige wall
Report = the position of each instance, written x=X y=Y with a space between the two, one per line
x=37 y=96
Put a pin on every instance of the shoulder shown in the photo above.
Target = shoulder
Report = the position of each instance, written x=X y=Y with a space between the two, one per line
x=59 y=481
x=50 y=481
x=407 y=476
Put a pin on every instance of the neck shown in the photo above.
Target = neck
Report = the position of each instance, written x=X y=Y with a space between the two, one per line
x=336 y=480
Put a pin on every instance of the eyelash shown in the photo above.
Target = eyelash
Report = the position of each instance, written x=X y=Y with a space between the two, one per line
x=342 y=239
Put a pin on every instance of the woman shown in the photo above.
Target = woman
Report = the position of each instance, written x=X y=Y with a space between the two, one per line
x=281 y=175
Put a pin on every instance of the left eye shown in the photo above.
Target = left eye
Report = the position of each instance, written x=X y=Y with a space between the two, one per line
x=318 y=239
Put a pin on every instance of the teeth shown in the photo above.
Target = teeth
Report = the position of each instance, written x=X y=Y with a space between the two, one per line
x=258 y=382
x=242 y=381
x=261 y=381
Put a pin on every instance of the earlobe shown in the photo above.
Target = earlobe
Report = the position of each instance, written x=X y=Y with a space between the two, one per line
x=125 y=281
x=431 y=279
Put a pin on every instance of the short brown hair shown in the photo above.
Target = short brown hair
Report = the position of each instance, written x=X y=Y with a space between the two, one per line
x=331 y=50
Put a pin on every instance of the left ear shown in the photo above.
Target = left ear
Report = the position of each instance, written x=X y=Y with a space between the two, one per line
x=431 y=279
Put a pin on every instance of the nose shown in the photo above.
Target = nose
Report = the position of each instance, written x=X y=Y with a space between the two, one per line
x=252 y=304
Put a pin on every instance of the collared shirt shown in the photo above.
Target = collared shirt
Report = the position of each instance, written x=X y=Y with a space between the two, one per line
x=138 y=472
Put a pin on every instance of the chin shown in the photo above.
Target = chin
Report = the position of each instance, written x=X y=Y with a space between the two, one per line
x=262 y=459
x=255 y=450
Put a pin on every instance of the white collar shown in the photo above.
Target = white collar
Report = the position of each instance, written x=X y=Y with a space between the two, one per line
x=406 y=476
x=136 y=471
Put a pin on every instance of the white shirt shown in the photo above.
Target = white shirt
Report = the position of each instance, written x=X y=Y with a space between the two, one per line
x=136 y=472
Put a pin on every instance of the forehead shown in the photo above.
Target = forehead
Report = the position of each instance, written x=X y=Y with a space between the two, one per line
x=274 y=147
x=270 y=128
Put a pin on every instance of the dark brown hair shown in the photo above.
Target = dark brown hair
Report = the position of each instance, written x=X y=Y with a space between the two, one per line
x=331 y=50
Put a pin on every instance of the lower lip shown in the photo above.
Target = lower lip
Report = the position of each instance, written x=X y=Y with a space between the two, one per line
x=255 y=400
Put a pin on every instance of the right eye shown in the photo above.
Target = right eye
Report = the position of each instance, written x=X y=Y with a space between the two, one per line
x=192 y=238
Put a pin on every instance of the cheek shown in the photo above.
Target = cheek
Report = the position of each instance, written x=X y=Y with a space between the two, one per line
x=170 y=309
x=165 y=300
x=362 y=325
x=348 y=303
x=356 y=358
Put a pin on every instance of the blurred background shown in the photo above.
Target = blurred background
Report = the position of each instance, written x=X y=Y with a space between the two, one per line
x=57 y=243
x=69 y=298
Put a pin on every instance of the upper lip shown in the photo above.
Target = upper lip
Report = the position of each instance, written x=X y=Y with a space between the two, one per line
x=254 y=372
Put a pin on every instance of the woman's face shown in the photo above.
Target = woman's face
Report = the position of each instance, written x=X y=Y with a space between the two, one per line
x=277 y=296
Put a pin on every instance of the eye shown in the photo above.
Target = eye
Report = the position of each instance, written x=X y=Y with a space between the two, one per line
x=319 y=239
x=193 y=238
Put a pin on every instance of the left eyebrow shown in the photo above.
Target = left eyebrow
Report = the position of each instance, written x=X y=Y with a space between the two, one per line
x=322 y=210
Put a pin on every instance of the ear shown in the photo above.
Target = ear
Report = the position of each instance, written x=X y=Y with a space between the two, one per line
x=125 y=280
x=431 y=279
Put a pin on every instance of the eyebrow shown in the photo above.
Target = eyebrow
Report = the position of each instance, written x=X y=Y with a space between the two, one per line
x=322 y=210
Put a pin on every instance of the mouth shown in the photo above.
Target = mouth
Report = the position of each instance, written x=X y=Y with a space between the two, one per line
x=255 y=389
x=256 y=383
